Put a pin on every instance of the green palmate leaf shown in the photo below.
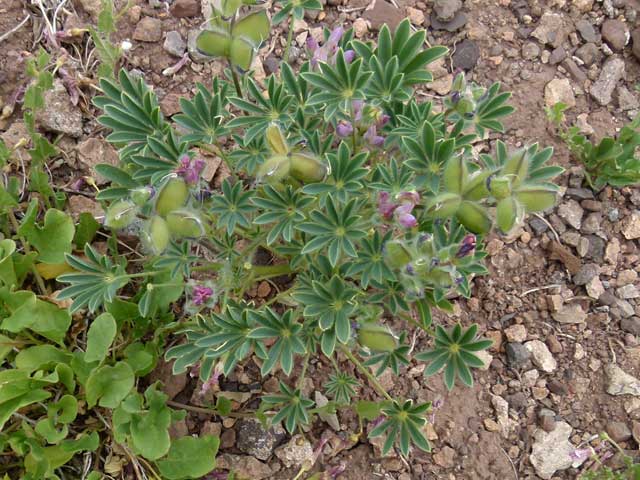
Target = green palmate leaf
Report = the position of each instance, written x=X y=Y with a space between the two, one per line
x=255 y=27
x=54 y=239
x=101 y=334
x=286 y=332
x=202 y=117
x=455 y=352
x=370 y=265
x=97 y=281
x=233 y=207
x=282 y=209
x=108 y=385
x=403 y=426
x=342 y=387
x=293 y=407
x=190 y=457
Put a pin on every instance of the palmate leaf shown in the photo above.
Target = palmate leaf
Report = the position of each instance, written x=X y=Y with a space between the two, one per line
x=455 y=352
x=293 y=407
x=286 y=330
x=403 y=425
x=370 y=265
x=491 y=109
x=295 y=8
x=202 y=117
x=283 y=209
x=342 y=387
x=96 y=283
x=248 y=156
x=233 y=207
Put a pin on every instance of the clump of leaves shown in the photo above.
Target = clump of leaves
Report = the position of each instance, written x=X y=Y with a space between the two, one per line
x=612 y=161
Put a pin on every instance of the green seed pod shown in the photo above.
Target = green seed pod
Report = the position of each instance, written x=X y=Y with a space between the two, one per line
x=444 y=205
x=507 y=213
x=516 y=168
x=396 y=254
x=141 y=195
x=476 y=187
x=465 y=105
x=185 y=224
x=276 y=141
x=120 y=214
x=274 y=169
x=377 y=338
x=255 y=26
x=455 y=174
x=241 y=52
x=157 y=236
x=474 y=217
x=439 y=278
x=536 y=198
x=307 y=168
x=214 y=43
x=172 y=196
x=459 y=83
x=500 y=187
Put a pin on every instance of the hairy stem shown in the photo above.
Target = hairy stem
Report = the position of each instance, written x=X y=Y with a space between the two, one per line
x=287 y=49
x=374 y=381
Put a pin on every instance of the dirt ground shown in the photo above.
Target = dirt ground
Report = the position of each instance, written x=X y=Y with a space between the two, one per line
x=567 y=280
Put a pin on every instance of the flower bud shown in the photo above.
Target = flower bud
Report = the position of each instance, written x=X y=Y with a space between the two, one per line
x=185 y=224
x=120 y=214
x=467 y=246
x=500 y=187
x=377 y=338
x=474 y=217
x=156 y=238
x=172 y=196
x=274 y=169
x=307 y=168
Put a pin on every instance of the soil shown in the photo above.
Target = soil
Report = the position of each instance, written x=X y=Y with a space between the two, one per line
x=528 y=285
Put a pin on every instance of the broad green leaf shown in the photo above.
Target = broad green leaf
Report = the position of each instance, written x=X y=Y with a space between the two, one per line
x=41 y=356
x=86 y=230
x=190 y=457
x=7 y=271
x=42 y=317
x=52 y=240
x=213 y=43
x=368 y=410
x=241 y=52
x=101 y=334
x=109 y=385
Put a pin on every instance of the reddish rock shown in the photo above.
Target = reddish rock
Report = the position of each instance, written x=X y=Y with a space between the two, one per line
x=185 y=8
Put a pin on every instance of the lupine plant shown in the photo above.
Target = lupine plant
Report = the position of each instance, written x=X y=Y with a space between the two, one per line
x=363 y=209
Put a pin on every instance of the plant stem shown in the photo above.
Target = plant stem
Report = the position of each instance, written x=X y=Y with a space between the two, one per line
x=304 y=371
x=236 y=80
x=207 y=411
x=374 y=381
x=27 y=250
x=287 y=49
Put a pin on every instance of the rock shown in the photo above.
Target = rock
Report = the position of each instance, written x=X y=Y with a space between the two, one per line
x=149 y=29
x=330 y=418
x=228 y=439
x=174 y=44
x=95 y=151
x=360 y=27
x=442 y=85
x=559 y=91
x=558 y=388
x=486 y=358
x=627 y=100
x=631 y=325
x=466 y=55
x=570 y=314
x=615 y=33
x=551 y=30
x=254 y=440
x=79 y=204
x=621 y=383
x=185 y=8
x=445 y=458
x=296 y=452
x=518 y=355
x=635 y=38
x=557 y=55
x=445 y=10
x=631 y=227
x=625 y=277
x=571 y=212
x=172 y=384
x=383 y=13
x=551 y=450
x=583 y=6
x=575 y=71
x=588 y=53
x=541 y=356
x=618 y=431
x=516 y=333
x=244 y=467
x=586 y=30
x=60 y=115
x=92 y=7
x=546 y=420
x=15 y=135
x=587 y=272
x=459 y=21
x=170 y=104
x=416 y=17
x=501 y=408
x=595 y=288
x=612 y=72
x=530 y=51
x=627 y=292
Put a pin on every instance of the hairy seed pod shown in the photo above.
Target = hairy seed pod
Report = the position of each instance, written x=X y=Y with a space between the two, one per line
x=396 y=254
x=307 y=168
x=241 y=53
x=185 y=224
x=507 y=214
x=376 y=337
x=516 y=168
x=500 y=187
x=214 y=43
x=255 y=26
x=474 y=217
x=120 y=214
x=536 y=198
x=455 y=174
x=172 y=196
x=157 y=235
x=276 y=141
x=444 y=205
x=476 y=187
x=274 y=169
x=141 y=195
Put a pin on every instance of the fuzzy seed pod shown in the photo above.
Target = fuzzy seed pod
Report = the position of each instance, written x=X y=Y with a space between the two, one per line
x=185 y=224
x=536 y=198
x=444 y=205
x=157 y=235
x=500 y=187
x=376 y=338
x=274 y=169
x=474 y=217
x=516 y=168
x=120 y=214
x=307 y=168
x=455 y=174
x=276 y=141
x=396 y=254
x=507 y=213
x=172 y=196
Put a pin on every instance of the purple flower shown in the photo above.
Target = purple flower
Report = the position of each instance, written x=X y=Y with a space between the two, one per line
x=385 y=206
x=358 y=107
x=580 y=454
x=201 y=295
x=400 y=209
x=327 y=52
x=349 y=55
x=404 y=216
x=214 y=379
x=344 y=128
x=334 y=472
x=190 y=169
x=372 y=137
x=467 y=246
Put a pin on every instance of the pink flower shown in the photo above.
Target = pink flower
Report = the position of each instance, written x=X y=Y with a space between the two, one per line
x=213 y=379
x=201 y=295
x=385 y=206
x=372 y=137
x=328 y=51
x=467 y=246
x=344 y=129
x=580 y=454
x=400 y=209
x=190 y=169
x=404 y=216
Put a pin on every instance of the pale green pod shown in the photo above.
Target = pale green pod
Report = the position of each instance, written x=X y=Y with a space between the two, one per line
x=276 y=141
x=120 y=214
x=396 y=254
x=474 y=217
x=307 y=168
x=141 y=195
x=172 y=196
x=455 y=174
x=516 y=167
x=444 y=205
x=536 y=198
x=274 y=169
x=476 y=187
x=507 y=213
x=500 y=187
x=185 y=224
x=157 y=235
x=377 y=338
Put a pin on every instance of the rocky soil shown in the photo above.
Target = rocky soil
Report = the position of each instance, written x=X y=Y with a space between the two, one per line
x=562 y=302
